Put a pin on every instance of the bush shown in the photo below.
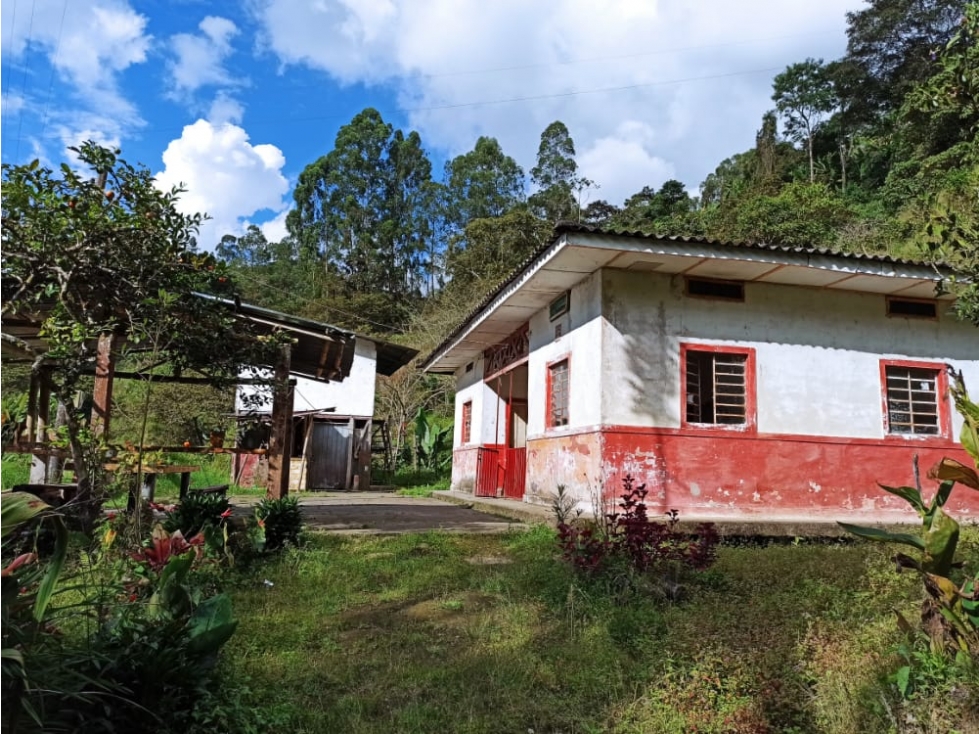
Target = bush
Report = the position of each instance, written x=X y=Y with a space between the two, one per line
x=197 y=511
x=282 y=520
x=631 y=552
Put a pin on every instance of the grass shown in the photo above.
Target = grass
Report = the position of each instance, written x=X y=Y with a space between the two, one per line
x=471 y=634
x=424 y=490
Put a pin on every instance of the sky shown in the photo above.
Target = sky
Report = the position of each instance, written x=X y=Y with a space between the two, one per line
x=233 y=100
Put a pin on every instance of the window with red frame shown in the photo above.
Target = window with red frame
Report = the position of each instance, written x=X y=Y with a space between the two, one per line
x=716 y=389
x=912 y=400
x=557 y=394
x=467 y=421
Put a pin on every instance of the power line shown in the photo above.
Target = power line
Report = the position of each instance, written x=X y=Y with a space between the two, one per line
x=340 y=311
x=54 y=58
x=10 y=55
x=619 y=57
x=23 y=85
x=507 y=100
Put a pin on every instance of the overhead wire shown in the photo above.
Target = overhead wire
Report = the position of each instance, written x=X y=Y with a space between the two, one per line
x=10 y=54
x=265 y=283
x=54 y=59
x=23 y=85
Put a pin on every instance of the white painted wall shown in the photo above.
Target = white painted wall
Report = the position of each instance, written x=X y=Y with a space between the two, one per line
x=353 y=396
x=817 y=352
x=581 y=343
x=470 y=386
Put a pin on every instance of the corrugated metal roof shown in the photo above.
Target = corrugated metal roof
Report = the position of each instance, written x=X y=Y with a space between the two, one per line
x=566 y=228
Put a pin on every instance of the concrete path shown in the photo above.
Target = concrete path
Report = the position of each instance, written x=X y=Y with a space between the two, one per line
x=385 y=513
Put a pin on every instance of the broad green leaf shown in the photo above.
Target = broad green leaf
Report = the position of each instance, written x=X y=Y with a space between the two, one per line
x=941 y=496
x=909 y=494
x=55 y=566
x=18 y=508
x=211 y=625
x=941 y=540
x=883 y=535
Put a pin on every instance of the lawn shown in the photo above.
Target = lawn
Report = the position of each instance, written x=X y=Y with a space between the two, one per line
x=466 y=634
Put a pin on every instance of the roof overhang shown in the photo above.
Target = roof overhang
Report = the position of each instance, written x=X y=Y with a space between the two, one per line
x=319 y=351
x=577 y=252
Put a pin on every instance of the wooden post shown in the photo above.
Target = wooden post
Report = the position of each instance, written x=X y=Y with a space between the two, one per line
x=280 y=444
x=105 y=367
x=39 y=464
x=351 y=447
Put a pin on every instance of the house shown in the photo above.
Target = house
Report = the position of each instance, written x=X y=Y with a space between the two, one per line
x=333 y=427
x=737 y=381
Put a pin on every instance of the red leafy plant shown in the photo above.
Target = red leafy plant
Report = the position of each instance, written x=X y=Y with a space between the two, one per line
x=625 y=543
x=163 y=546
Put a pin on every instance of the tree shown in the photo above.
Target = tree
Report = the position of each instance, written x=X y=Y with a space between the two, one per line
x=804 y=96
x=556 y=176
x=890 y=44
x=944 y=213
x=361 y=210
x=482 y=183
x=648 y=209
x=108 y=259
x=494 y=248
x=252 y=248
x=599 y=213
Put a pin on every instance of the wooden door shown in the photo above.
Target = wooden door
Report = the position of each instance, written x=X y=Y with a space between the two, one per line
x=329 y=455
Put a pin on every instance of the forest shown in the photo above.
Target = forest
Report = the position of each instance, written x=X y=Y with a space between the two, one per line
x=876 y=152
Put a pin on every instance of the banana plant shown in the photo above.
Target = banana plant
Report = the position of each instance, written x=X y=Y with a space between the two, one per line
x=433 y=442
x=952 y=612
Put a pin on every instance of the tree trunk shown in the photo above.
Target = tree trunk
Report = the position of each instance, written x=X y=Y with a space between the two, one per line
x=87 y=502
x=812 y=167
x=55 y=463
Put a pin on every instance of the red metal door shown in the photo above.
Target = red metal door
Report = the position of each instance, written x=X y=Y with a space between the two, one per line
x=515 y=473
x=487 y=472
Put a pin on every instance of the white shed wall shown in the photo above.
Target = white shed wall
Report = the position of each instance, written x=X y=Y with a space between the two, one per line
x=353 y=396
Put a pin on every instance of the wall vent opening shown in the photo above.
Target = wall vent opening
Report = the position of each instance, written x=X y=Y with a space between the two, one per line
x=728 y=290
x=914 y=308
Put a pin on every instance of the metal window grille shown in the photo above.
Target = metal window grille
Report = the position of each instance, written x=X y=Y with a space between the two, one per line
x=559 y=394
x=467 y=422
x=716 y=389
x=912 y=400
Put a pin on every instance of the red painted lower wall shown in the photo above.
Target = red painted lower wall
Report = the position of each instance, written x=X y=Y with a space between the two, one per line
x=727 y=474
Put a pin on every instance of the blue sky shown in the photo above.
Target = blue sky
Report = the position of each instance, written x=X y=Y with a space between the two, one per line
x=235 y=99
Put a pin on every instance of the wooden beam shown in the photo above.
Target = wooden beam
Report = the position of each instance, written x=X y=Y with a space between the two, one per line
x=188 y=380
x=280 y=444
x=105 y=367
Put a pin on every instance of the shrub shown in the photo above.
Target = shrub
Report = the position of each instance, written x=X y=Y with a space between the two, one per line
x=282 y=521
x=630 y=550
x=197 y=511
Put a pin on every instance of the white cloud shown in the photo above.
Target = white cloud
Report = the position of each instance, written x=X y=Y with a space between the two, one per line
x=696 y=75
x=275 y=229
x=623 y=162
x=199 y=58
x=225 y=108
x=225 y=176
x=89 y=43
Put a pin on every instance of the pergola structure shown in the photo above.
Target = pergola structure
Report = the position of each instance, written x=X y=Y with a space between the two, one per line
x=317 y=351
